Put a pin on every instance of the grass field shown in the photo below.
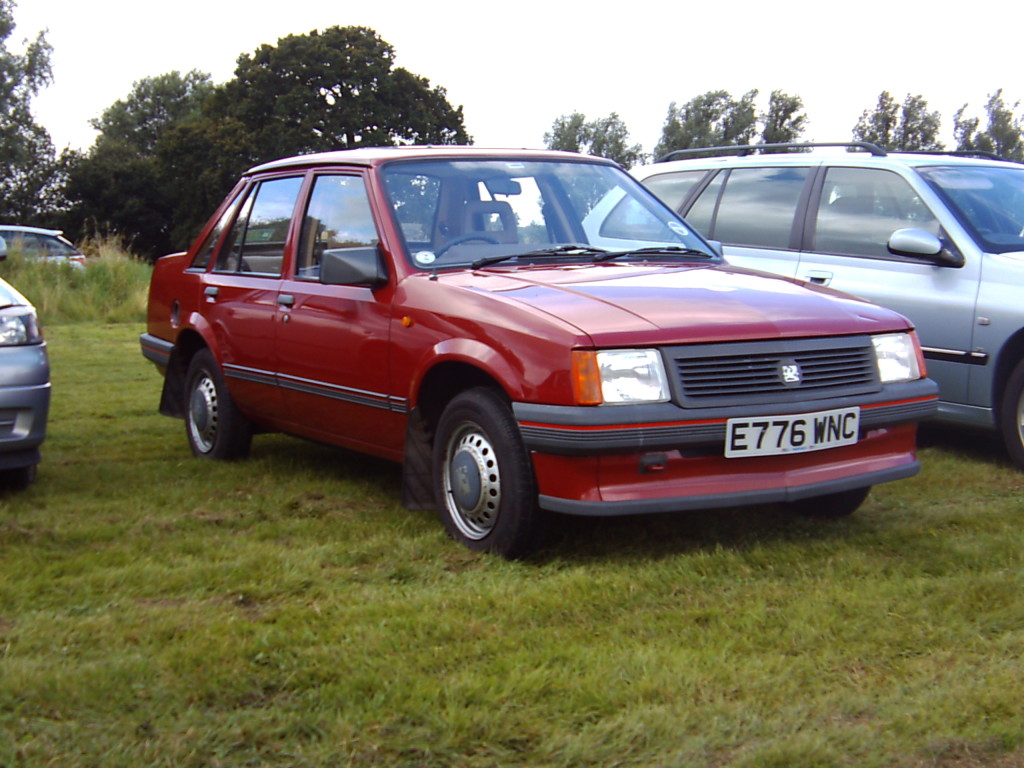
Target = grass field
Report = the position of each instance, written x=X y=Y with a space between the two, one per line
x=158 y=610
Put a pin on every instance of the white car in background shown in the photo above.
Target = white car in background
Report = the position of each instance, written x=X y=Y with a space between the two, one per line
x=39 y=243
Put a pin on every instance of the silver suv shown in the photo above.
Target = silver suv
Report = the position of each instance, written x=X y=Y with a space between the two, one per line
x=937 y=237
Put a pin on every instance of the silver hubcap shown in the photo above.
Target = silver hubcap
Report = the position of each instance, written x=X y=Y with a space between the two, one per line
x=1020 y=419
x=472 y=482
x=202 y=414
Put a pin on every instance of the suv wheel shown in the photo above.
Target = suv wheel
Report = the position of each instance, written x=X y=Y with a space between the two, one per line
x=216 y=429
x=486 y=492
x=1011 y=415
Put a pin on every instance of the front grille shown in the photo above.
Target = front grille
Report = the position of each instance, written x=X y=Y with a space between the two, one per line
x=754 y=372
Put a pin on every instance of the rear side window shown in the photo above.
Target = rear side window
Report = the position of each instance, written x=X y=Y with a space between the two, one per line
x=674 y=188
x=860 y=208
x=257 y=240
x=757 y=206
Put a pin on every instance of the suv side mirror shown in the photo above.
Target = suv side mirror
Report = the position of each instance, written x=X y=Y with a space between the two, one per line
x=919 y=242
x=353 y=266
x=3 y=249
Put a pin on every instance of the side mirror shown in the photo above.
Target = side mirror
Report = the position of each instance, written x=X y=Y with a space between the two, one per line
x=3 y=249
x=919 y=242
x=353 y=266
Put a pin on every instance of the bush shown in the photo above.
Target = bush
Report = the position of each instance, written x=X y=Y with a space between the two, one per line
x=113 y=288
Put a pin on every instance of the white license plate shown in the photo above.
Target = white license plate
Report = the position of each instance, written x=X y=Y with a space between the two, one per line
x=774 y=435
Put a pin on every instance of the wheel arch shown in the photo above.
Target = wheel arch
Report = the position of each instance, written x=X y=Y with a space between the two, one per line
x=172 y=398
x=1009 y=357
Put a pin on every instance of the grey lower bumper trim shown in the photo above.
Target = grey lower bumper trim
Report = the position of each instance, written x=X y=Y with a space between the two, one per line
x=717 y=501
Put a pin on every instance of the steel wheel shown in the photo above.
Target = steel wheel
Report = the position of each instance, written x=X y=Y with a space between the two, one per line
x=216 y=429
x=483 y=476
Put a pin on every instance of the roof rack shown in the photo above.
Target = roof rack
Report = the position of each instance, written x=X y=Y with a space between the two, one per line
x=980 y=153
x=747 y=149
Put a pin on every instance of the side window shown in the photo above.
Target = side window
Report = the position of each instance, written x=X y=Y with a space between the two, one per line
x=257 y=239
x=205 y=252
x=702 y=213
x=338 y=217
x=758 y=206
x=673 y=188
x=860 y=208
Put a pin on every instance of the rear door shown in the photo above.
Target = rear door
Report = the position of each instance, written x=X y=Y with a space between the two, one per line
x=755 y=213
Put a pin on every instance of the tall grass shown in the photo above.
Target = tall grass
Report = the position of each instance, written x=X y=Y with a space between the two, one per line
x=112 y=288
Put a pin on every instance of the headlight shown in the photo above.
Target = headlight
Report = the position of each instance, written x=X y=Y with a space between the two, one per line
x=18 y=326
x=898 y=357
x=619 y=376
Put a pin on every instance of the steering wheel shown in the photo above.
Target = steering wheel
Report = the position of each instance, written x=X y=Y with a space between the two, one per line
x=469 y=236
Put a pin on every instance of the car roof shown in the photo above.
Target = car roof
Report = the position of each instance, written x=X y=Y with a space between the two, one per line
x=731 y=157
x=372 y=156
x=32 y=230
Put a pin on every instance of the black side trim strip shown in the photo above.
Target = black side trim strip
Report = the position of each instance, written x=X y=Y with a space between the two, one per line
x=955 y=356
x=319 y=389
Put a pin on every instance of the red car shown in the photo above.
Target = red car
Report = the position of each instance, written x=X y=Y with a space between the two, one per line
x=527 y=332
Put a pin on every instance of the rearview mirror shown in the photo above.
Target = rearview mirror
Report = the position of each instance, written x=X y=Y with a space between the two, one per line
x=920 y=242
x=353 y=266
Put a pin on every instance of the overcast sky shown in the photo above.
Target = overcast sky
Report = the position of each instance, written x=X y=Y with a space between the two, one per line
x=516 y=66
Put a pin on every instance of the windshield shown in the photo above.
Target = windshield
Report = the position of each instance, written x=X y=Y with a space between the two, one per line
x=988 y=200
x=459 y=213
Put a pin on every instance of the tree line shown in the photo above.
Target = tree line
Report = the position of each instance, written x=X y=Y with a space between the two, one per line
x=166 y=154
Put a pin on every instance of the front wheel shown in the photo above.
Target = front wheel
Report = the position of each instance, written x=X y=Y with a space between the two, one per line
x=216 y=429
x=831 y=506
x=483 y=477
x=1011 y=415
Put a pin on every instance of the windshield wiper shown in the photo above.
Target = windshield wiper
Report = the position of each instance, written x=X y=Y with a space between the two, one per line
x=663 y=250
x=557 y=250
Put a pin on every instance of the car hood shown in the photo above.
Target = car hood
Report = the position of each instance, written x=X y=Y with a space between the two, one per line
x=622 y=304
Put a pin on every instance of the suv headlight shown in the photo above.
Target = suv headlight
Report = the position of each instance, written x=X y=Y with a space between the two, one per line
x=619 y=377
x=18 y=325
x=899 y=357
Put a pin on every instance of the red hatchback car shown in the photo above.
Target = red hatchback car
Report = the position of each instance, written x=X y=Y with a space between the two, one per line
x=528 y=332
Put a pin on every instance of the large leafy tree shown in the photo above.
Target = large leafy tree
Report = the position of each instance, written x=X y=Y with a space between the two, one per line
x=27 y=165
x=909 y=126
x=785 y=120
x=1003 y=136
x=604 y=137
x=712 y=119
x=335 y=89
x=123 y=184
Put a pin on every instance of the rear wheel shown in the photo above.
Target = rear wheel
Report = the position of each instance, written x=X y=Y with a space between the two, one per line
x=831 y=506
x=216 y=429
x=17 y=479
x=483 y=477
x=1011 y=415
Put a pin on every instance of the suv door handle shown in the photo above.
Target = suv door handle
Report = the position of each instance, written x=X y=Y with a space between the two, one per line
x=286 y=300
x=211 y=292
x=818 y=277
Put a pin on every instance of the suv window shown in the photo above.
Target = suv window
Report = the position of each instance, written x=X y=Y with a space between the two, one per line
x=757 y=206
x=674 y=188
x=860 y=208
x=256 y=242
x=338 y=217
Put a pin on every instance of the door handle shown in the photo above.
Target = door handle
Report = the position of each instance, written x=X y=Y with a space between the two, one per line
x=211 y=292
x=286 y=300
x=818 y=277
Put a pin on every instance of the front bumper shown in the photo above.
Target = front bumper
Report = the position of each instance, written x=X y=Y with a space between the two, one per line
x=662 y=458
x=24 y=404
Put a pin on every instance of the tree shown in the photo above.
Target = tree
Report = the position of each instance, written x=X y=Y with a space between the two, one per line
x=603 y=137
x=28 y=167
x=785 y=121
x=909 y=127
x=711 y=119
x=123 y=183
x=335 y=89
x=1004 y=135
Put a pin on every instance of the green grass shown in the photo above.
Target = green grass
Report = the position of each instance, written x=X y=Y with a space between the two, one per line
x=158 y=610
x=112 y=289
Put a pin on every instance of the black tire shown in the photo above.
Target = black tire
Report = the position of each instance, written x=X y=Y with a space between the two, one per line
x=18 y=479
x=832 y=506
x=215 y=428
x=1011 y=415
x=483 y=477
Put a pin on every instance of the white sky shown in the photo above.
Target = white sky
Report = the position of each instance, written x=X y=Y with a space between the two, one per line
x=516 y=66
